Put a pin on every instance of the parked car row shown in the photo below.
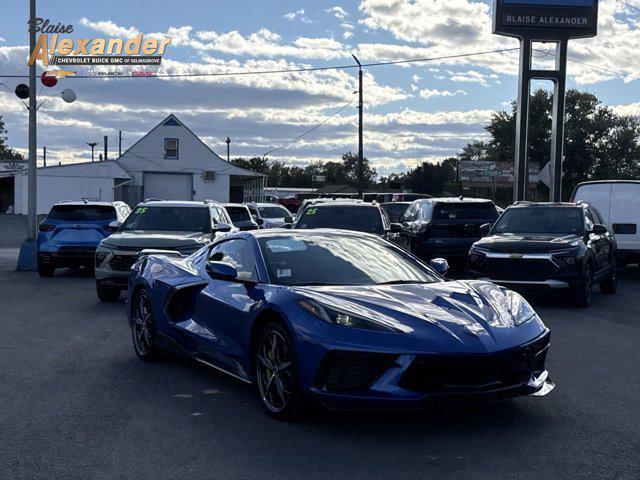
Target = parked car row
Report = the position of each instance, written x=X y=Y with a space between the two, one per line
x=345 y=306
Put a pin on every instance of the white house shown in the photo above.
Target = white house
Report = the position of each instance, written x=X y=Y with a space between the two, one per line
x=170 y=162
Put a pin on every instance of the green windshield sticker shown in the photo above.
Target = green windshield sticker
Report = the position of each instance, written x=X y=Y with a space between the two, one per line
x=141 y=209
x=312 y=211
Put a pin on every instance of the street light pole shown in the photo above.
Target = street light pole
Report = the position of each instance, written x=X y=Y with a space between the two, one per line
x=92 y=145
x=360 y=142
x=228 y=149
x=27 y=259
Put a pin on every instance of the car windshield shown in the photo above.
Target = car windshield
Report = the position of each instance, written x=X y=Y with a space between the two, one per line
x=238 y=214
x=176 y=219
x=467 y=211
x=540 y=220
x=80 y=213
x=396 y=209
x=339 y=259
x=360 y=219
x=273 y=212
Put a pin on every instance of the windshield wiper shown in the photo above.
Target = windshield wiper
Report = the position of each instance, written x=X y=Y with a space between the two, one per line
x=403 y=282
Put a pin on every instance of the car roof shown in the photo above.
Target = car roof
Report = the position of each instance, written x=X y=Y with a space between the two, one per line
x=174 y=203
x=549 y=204
x=265 y=204
x=396 y=203
x=345 y=204
x=88 y=203
x=454 y=200
x=604 y=182
x=242 y=205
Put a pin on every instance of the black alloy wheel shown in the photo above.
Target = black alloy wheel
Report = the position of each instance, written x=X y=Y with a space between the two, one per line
x=46 y=269
x=107 y=293
x=584 y=291
x=277 y=374
x=143 y=327
x=609 y=285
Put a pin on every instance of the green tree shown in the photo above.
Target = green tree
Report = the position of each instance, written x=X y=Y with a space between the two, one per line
x=599 y=144
x=7 y=153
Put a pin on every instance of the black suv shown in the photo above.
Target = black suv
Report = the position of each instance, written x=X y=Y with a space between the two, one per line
x=359 y=217
x=549 y=245
x=446 y=227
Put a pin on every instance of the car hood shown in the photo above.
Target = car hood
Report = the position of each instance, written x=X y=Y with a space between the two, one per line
x=462 y=316
x=531 y=243
x=157 y=239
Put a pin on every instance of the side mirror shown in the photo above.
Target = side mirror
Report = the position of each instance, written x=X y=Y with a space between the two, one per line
x=259 y=221
x=221 y=270
x=599 y=229
x=288 y=219
x=113 y=226
x=395 y=228
x=485 y=229
x=221 y=227
x=440 y=265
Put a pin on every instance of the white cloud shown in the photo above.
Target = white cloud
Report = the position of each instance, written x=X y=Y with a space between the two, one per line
x=347 y=35
x=297 y=15
x=338 y=12
x=416 y=78
x=631 y=109
x=109 y=28
x=427 y=94
x=2 y=39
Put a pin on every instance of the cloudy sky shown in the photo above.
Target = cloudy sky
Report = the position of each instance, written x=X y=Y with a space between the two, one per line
x=420 y=112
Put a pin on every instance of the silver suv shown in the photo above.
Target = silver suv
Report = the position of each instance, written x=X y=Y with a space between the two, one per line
x=155 y=224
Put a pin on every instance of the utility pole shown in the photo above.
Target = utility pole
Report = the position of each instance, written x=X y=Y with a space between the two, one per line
x=106 y=146
x=92 y=145
x=360 y=146
x=228 y=149
x=44 y=156
x=27 y=259
x=119 y=143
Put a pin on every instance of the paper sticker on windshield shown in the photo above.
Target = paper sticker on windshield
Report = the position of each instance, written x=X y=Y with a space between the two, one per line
x=283 y=273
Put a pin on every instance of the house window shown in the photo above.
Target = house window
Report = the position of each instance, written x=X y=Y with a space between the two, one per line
x=170 y=148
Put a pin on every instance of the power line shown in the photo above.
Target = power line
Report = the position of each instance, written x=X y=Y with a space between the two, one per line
x=337 y=112
x=289 y=70
x=634 y=7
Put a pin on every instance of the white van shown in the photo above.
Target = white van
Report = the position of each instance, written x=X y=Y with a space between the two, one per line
x=618 y=201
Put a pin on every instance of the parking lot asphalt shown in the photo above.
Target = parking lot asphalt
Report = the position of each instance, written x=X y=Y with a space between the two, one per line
x=75 y=402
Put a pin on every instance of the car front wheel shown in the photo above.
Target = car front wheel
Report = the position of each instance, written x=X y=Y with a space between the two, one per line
x=584 y=289
x=46 y=269
x=277 y=373
x=143 y=328
x=107 y=293
x=609 y=285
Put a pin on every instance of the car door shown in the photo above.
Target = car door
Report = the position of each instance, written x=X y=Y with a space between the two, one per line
x=596 y=240
x=606 y=240
x=226 y=308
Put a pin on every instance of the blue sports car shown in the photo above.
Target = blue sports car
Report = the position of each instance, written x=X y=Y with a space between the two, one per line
x=345 y=318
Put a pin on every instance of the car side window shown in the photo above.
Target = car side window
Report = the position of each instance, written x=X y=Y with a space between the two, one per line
x=238 y=253
x=215 y=215
x=597 y=216
x=409 y=215
x=589 y=221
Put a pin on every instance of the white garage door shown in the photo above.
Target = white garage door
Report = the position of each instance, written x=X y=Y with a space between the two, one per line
x=168 y=186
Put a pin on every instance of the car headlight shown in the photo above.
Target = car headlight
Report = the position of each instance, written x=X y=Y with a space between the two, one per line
x=519 y=309
x=102 y=253
x=347 y=319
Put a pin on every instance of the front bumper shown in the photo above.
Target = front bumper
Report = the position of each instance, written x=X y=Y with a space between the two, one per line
x=347 y=380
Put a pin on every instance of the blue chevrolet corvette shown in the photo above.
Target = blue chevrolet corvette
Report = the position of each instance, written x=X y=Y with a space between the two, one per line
x=345 y=318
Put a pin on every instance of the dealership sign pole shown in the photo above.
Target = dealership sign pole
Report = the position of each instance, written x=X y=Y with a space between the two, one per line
x=531 y=21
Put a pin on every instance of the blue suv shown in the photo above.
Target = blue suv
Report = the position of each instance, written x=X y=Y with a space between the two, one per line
x=68 y=237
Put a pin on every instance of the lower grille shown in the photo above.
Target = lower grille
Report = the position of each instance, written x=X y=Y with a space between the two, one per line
x=122 y=263
x=344 y=370
x=444 y=373
x=519 y=269
x=68 y=251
